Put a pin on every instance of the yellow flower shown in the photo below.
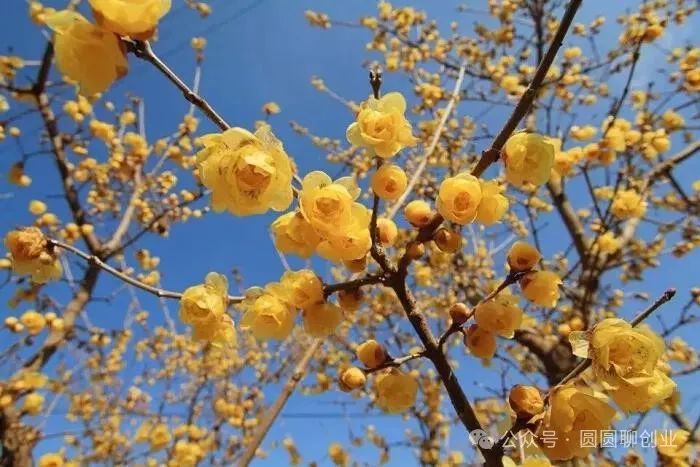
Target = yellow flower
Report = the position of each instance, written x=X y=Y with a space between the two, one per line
x=219 y=333
x=387 y=231
x=628 y=204
x=522 y=256
x=626 y=358
x=29 y=254
x=51 y=459
x=267 y=315
x=371 y=353
x=134 y=18
x=321 y=319
x=271 y=108
x=353 y=242
x=327 y=205
x=85 y=53
x=500 y=315
x=642 y=393
x=302 y=288
x=203 y=305
x=541 y=288
x=418 y=213
x=395 y=390
x=352 y=378
x=37 y=207
x=673 y=445
x=381 y=126
x=493 y=204
x=389 y=182
x=294 y=235
x=529 y=158
x=480 y=342
x=608 y=243
x=33 y=403
x=572 y=410
x=459 y=198
x=526 y=401
x=247 y=173
x=619 y=349
x=338 y=455
x=159 y=437
x=33 y=321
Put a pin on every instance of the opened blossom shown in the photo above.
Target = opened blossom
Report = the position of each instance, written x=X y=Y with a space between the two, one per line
x=267 y=314
x=137 y=19
x=247 y=173
x=528 y=159
x=572 y=410
x=395 y=390
x=30 y=255
x=87 y=54
x=459 y=198
x=381 y=126
x=293 y=234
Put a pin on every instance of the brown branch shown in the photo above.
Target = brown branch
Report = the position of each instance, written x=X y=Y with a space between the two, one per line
x=144 y=51
x=99 y=263
x=352 y=284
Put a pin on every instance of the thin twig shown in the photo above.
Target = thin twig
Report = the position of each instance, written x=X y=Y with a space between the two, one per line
x=92 y=259
x=447 y=111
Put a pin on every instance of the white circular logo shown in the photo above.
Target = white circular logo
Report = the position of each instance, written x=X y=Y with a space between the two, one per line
x=481 y=438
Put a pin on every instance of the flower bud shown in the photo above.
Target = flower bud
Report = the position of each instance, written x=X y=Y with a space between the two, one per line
x=418 y=213
x=447 y=240
x=526 y=401
x=459 y=313
x=352 y=378
x=387 y=230
x=522 y=256
x=415 y=250
x=371 y=353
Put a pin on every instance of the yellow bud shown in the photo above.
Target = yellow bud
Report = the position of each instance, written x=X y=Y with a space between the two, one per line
x=37 y=207
x=526 y=401
x=387 y=231
x=418 y=213
x=447 y=240
x=371 y=353
x=459 y=313
x=352 y=378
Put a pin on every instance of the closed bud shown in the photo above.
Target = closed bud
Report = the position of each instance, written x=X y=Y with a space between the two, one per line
x=447 y=240
x=352 y=378
x=415 y=250
x=526 y=401
x=387 y=231
x=418 y=213
x=371 y=353
x=459 y=313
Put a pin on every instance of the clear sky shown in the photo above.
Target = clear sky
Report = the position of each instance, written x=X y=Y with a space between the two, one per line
x=260 y=51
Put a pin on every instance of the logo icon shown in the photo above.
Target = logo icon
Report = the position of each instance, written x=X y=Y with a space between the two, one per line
x=481 y=438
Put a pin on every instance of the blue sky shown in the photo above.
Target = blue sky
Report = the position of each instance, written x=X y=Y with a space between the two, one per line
x=259 y=51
